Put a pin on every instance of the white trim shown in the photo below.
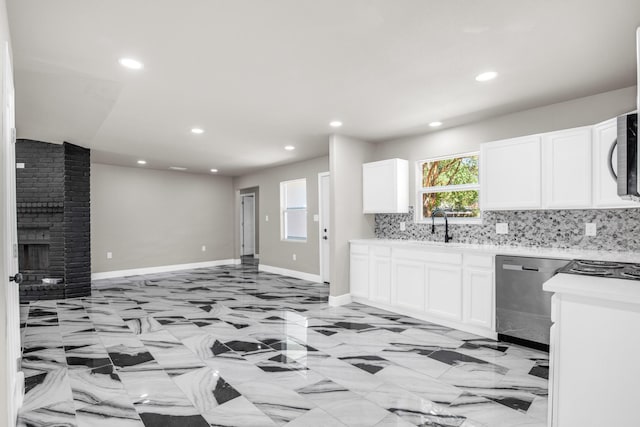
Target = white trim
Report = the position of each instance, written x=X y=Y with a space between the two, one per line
x=340 y=300
x=293 y=273
x=161 y=269
x=320 y=222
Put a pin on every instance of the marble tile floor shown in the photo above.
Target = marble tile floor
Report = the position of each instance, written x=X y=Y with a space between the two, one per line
x=231 y=346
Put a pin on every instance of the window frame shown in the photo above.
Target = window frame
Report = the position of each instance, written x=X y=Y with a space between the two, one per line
x=284 y=209
x=420 y=190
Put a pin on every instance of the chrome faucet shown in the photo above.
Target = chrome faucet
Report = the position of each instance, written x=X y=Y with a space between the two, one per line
x=446 y=224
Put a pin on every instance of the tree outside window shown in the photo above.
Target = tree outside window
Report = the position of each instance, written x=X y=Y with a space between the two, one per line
x=450 y=184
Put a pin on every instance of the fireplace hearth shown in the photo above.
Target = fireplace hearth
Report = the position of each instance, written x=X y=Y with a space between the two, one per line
x=53 y=203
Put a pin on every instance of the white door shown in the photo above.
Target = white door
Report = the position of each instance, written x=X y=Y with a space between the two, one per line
x=248 y=223
x=10 y=305
x=444 y=291
x=323 y=191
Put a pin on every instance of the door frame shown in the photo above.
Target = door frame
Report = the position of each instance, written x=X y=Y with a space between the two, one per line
x=320 y=222
x=13 y=378
x=242 y=196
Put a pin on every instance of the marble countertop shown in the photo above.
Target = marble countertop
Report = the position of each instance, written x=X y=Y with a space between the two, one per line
x=525 y=251
x=602 y=288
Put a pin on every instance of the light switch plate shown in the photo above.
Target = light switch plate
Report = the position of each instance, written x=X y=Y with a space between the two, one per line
x=19 y=165
x=109 y=255
x=266 y=218
x=316 y=218
x=502 y=228
x=204 y=248
x=590 y=229
x=403 y=226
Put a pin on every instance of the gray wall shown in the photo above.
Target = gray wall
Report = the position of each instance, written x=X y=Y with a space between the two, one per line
x=149 y=218
x=347 y=220
x=273 y=251
x=579 y=112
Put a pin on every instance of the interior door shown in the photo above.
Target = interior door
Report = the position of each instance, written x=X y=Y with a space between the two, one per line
x=10 y=303
x=248 y=224
x=323 y=191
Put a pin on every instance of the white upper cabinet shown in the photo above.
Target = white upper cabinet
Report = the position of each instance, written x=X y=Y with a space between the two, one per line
x=566 y=169
x=605 y=191
x=510 y=174
x=385 y=186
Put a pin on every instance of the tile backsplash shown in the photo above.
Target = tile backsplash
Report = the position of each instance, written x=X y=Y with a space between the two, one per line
x=617 y=229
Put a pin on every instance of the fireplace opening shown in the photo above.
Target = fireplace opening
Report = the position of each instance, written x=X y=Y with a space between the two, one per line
x=33 y=257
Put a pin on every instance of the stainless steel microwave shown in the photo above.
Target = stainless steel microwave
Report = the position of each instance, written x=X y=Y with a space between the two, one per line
x=627 y=160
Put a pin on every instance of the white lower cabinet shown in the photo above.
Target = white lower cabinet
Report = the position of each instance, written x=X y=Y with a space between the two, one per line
x=380 y=274
x=407 y=281
x=479 y=298
x=445 y=286
x=359 y=271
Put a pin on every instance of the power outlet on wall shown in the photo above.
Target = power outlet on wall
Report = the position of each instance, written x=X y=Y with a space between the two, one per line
x=403 y=226
x=590 y=229
x=109 y=255
x=204 y=248
x=502 y=228
x=294 y=257
x=266 y=218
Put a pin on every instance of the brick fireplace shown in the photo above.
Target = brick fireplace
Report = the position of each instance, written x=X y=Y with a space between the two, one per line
x=53 y=210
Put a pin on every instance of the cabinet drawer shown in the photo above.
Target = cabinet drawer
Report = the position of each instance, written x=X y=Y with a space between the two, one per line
x=477 y=260
x=382 y=251
x=428 y=256
x=360 y=249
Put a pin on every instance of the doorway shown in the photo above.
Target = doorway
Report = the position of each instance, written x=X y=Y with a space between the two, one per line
x=249 y=232
x=324 y=224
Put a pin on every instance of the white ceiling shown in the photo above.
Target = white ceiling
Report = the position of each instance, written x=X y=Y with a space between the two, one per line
x=257 y=75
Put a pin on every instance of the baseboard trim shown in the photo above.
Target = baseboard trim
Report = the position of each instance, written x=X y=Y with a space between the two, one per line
x=293 y=273
x=161 y=269
x=339 y=300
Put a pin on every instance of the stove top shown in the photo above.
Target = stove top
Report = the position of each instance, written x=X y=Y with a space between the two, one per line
x=618 y=270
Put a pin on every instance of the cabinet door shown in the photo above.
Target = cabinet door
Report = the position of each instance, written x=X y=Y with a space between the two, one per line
x=444 y=291
x=380 y=276
x=566 y=159
x=408 y=283
x=479 y=298
x=605 y=191
x=385 y=186
x=510 y=174
x=359 y=272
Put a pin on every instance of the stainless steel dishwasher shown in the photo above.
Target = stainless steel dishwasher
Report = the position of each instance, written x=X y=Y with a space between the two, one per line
x=523 y=309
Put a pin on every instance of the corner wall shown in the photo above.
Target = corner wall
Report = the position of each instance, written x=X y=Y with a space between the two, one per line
x=347 y=220
x=273 y=250
x=152 y=218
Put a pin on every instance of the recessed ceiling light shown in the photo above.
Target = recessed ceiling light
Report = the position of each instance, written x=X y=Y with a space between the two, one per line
x=335 y=124
x=142 y=162
x=214 y=170
x=289 y=147
x=485 y=77
x=131 y=63
x=177 y=168
x=435 y=124
x=197 y=131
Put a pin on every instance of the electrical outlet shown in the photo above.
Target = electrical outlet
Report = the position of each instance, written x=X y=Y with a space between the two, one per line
x=502 y=228
x=19 y=165
x=109 y=255
x=266 y=218
x=590 y=229
x=204 y=248
x=294 y=257
x=403 y=226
